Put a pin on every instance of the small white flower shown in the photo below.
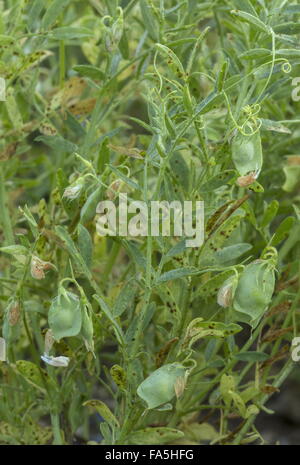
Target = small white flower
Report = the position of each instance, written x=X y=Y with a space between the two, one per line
x=56 y=361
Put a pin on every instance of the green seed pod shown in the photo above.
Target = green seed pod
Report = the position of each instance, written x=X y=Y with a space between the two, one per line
x=254 y=291
x=159 y=387
x=247 y=153
x=65 y=315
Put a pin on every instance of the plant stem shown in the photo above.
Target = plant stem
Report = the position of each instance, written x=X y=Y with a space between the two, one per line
x=62 y=63
x=280 y=379
x=112 y=258
x=5 y=215
x=58 y=440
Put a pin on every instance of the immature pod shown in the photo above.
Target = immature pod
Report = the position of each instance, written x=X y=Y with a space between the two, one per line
x=254 y=291
x=160 y=387
x=65 y=315
x=247 y=153
x=245 y=318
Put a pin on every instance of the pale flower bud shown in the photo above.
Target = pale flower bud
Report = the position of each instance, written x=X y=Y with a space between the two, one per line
x=248 y=179
x=14 y=314
x=179 y=386
x=113 y=188
x=49 y=341
x=72 y=192
x=226 y=292
x=38 y=267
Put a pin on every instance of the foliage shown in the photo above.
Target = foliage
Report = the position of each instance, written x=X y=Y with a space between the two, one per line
x=162 y=100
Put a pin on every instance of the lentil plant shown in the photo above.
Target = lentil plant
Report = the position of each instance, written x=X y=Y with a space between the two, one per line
x=142 y=340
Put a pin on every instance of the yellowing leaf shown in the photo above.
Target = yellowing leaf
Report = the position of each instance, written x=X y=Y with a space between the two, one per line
x=103 y=410
x=160 y=435
x=130 y=152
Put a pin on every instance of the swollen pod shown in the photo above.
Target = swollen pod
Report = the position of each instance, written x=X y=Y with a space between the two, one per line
x=159 y=387
x=65 y=316
x=254 y=291
x=247 y=153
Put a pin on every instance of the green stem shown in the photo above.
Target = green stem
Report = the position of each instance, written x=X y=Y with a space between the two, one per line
x=112 y=258
x=62 y=63
x=281 y=378
x=5 y=215
x=129 y=424
x=58 y=440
